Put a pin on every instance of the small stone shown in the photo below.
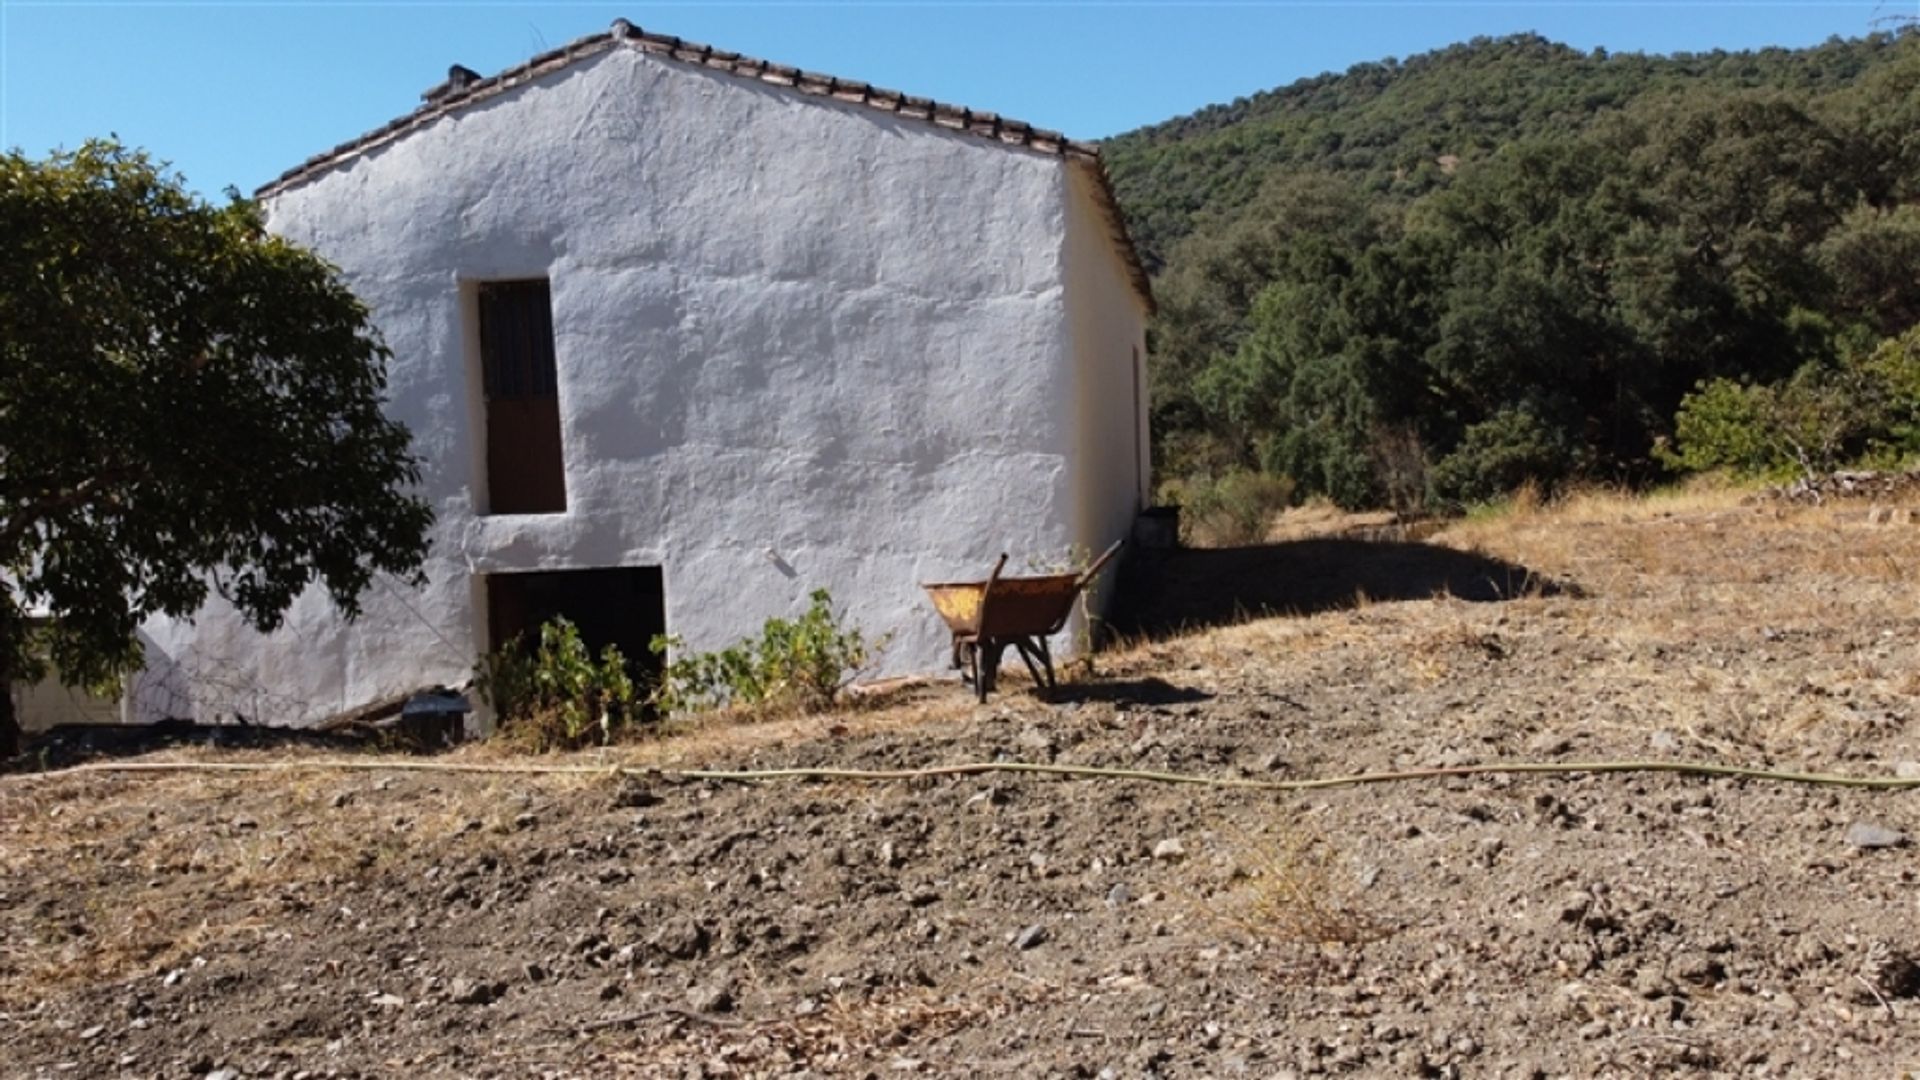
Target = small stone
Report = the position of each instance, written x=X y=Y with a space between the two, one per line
x=631 y=794
x=1866 y=834
x=1170 y=849
x=1664 y=740
x=1030 y=937
x=93 y=1032
x=1550 y=744
x=680 y=938
x=1650 y=982
x=1119 y=894
x=342 y=799
x=713 y=997
x=535 y=972
x=224 y=1074
x=466 y=991
x=1907 y=770
x=525 y=821
x=1573 y=906
x=389 y=1001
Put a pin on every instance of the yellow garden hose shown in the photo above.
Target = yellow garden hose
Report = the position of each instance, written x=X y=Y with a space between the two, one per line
x=973 y=768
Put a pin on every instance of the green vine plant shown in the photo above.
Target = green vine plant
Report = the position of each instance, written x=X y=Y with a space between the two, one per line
x=557 y=695
x=798 y=664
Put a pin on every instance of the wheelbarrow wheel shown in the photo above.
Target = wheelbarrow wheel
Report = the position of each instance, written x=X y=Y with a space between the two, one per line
x=966 y=657
x=987 y=664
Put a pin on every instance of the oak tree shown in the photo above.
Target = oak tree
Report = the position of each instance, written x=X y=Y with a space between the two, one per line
x=189 y=406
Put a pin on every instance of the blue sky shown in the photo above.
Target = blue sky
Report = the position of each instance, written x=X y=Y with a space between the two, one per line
x=236 y=91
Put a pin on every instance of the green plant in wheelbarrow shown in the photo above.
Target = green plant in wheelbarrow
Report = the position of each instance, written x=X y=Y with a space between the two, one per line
x=556 y=695
x=801 y=664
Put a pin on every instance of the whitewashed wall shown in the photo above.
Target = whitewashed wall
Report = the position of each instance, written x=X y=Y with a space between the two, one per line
x=1106 y=326
x=783 y=325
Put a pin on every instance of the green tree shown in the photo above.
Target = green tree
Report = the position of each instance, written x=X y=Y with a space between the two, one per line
x=188 y=406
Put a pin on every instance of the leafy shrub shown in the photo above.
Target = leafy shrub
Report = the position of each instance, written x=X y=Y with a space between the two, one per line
x=1235 y=508
x=1818 y=420
x=1895 y=368
x=1720 y=426
x=556 y=696
x=1497 y=457
x=795 y=663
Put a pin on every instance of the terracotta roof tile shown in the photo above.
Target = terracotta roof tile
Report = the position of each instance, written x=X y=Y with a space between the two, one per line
x=451 y=96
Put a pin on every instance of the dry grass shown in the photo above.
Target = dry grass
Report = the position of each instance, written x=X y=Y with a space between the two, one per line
x=1298 y=890
x=132 y=880
x=108 y=839
x=845 y=1035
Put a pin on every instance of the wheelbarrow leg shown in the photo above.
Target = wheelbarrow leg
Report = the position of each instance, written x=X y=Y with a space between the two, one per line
x=1032 y=649
x=966 y=657
x=989 y=667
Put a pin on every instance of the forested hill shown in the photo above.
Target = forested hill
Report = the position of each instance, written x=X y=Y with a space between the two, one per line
x=1399 y=126
x=1425 y=282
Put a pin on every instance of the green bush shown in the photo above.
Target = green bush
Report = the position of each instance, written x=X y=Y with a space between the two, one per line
x=795 y=663
x=556 y=696
x=1822 y=418
x=1499 y=456
x=1235 y=508
x=1720 y=426
x=1895 y=367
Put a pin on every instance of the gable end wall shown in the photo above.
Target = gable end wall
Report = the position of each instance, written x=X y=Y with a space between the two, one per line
x=800 y=344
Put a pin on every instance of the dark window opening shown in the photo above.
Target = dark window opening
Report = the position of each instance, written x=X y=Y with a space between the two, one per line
x=622 y=607
x=525 y=472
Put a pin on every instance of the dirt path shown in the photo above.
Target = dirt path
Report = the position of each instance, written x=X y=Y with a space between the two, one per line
x=404 y=924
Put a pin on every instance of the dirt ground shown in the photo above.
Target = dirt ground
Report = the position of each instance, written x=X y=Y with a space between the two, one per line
x=393 y=923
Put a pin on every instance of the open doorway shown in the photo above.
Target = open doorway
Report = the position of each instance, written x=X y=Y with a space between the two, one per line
x=624 y=607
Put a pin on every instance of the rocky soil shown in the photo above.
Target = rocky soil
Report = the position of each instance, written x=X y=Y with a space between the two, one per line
x=401 y=923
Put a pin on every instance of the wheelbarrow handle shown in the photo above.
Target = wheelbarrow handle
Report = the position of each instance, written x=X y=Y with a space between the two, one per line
x=1099 y=564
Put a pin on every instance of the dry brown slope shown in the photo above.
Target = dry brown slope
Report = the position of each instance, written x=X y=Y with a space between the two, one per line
x=368 y=924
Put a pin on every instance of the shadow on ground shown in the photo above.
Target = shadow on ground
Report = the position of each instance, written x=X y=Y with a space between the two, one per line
x=1168 y=592
x=1148 y=691
x=74 y=744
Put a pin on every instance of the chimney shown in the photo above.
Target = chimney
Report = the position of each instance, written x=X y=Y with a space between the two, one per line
x=458 y=79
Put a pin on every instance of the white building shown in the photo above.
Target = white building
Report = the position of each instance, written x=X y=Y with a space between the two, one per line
x=683 y=335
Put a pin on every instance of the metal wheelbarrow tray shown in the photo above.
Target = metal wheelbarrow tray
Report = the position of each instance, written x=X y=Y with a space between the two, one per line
x=985 y=617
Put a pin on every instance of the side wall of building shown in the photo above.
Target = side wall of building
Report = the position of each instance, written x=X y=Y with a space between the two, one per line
x=1107 y=326
x=799 y=343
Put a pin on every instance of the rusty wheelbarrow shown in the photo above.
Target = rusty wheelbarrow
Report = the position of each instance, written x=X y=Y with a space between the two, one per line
x=987 y=616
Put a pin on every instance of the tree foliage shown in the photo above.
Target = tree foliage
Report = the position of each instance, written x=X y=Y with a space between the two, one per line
x=1509 y=261
x=189 y=406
